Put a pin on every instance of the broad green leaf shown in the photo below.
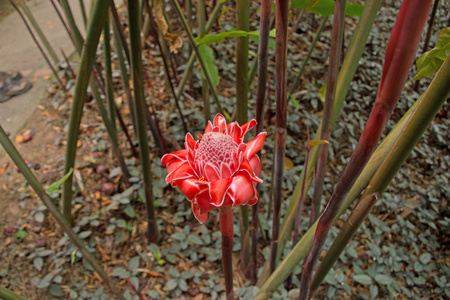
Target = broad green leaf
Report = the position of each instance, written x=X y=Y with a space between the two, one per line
x=384 y=279
x=208 y=57
x=55 y=186
x=431 y=61
x=322 y=92
x=326 y=7
x=314 y=143
x=363 y=279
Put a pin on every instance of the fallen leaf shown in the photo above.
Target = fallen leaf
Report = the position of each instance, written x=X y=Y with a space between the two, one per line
x=174 y=40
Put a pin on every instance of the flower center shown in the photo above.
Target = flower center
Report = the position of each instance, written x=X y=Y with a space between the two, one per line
x=215 y=149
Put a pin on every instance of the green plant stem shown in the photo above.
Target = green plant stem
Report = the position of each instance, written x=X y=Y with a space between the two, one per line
x=308 y=56
x=76 y=35
x=348 y=69
x=422 y=115
x=87 y=61
x=304 y=245
x=9 y=295
x=201 y=32
x=112 y=109
x=39 y=31
x=159 y=39
x=139 y=105
x=226 y=228
x=83 y=13
x=199 y=57
x=400 y=53
x=187 y=71
x=62 y=21
x=38 y=45
x=428 y=36
x=325 y=133
x=281 y=21
x=59 y=218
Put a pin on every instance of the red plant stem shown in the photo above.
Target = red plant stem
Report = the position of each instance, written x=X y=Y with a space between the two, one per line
x=69 y=67
x=400 y=53
x=333 y=69
x=133 y=287
x=263 y=51
x=226 y=228
x=281 y=21
x=39 y=46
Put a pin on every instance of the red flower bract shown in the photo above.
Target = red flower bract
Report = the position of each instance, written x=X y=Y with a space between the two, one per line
x=219 y=169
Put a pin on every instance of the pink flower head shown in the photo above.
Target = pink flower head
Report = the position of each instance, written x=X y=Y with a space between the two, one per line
x=219 y=169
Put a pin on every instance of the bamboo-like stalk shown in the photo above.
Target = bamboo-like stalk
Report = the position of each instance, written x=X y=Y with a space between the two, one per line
x=308 y=56
x=325 y=133
x=281 y=21
x=38 y=44
x=59 y=218
x=187 y=71
x=112 y=108
x=263 y=54
x=428 y=106
x=201 y=32
x=63 y=21
x=348 y=69
x=9 y=295
x=304 y=245
x=296 y=234
x=400 y=53
x=83 y=12
x=226 y=228
x=76 y=35
x=199 y=57
x=139 y=105
x=428 y=36
x=159 y=39
x=87 y=61
x=39 y=31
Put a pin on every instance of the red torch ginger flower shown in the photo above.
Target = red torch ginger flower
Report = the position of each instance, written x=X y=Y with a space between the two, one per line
x=219 y=169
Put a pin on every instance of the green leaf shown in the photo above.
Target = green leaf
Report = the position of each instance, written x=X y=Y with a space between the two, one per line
x=425 y=258
x=220 y=37
x=296 y=104
x=429 y=62
x=384 y=279
x=129 y=211
x=120 y=272
x=170 y=285
x=363 y=279
x=55 y=186
x=195 y=239
x=314 y=143
x=326 y=7
x=55 y=290
x=208 y=57
x=322 y=92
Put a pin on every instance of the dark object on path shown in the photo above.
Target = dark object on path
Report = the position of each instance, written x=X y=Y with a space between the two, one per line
x=12 y=84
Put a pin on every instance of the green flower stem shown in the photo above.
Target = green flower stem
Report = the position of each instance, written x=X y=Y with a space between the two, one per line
x=201 y=33
x=308 y=56
x=140 y=107
x=226 y=228
x=199 y=57
x=423 y=114
x=60 y=219
x=87 y=61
